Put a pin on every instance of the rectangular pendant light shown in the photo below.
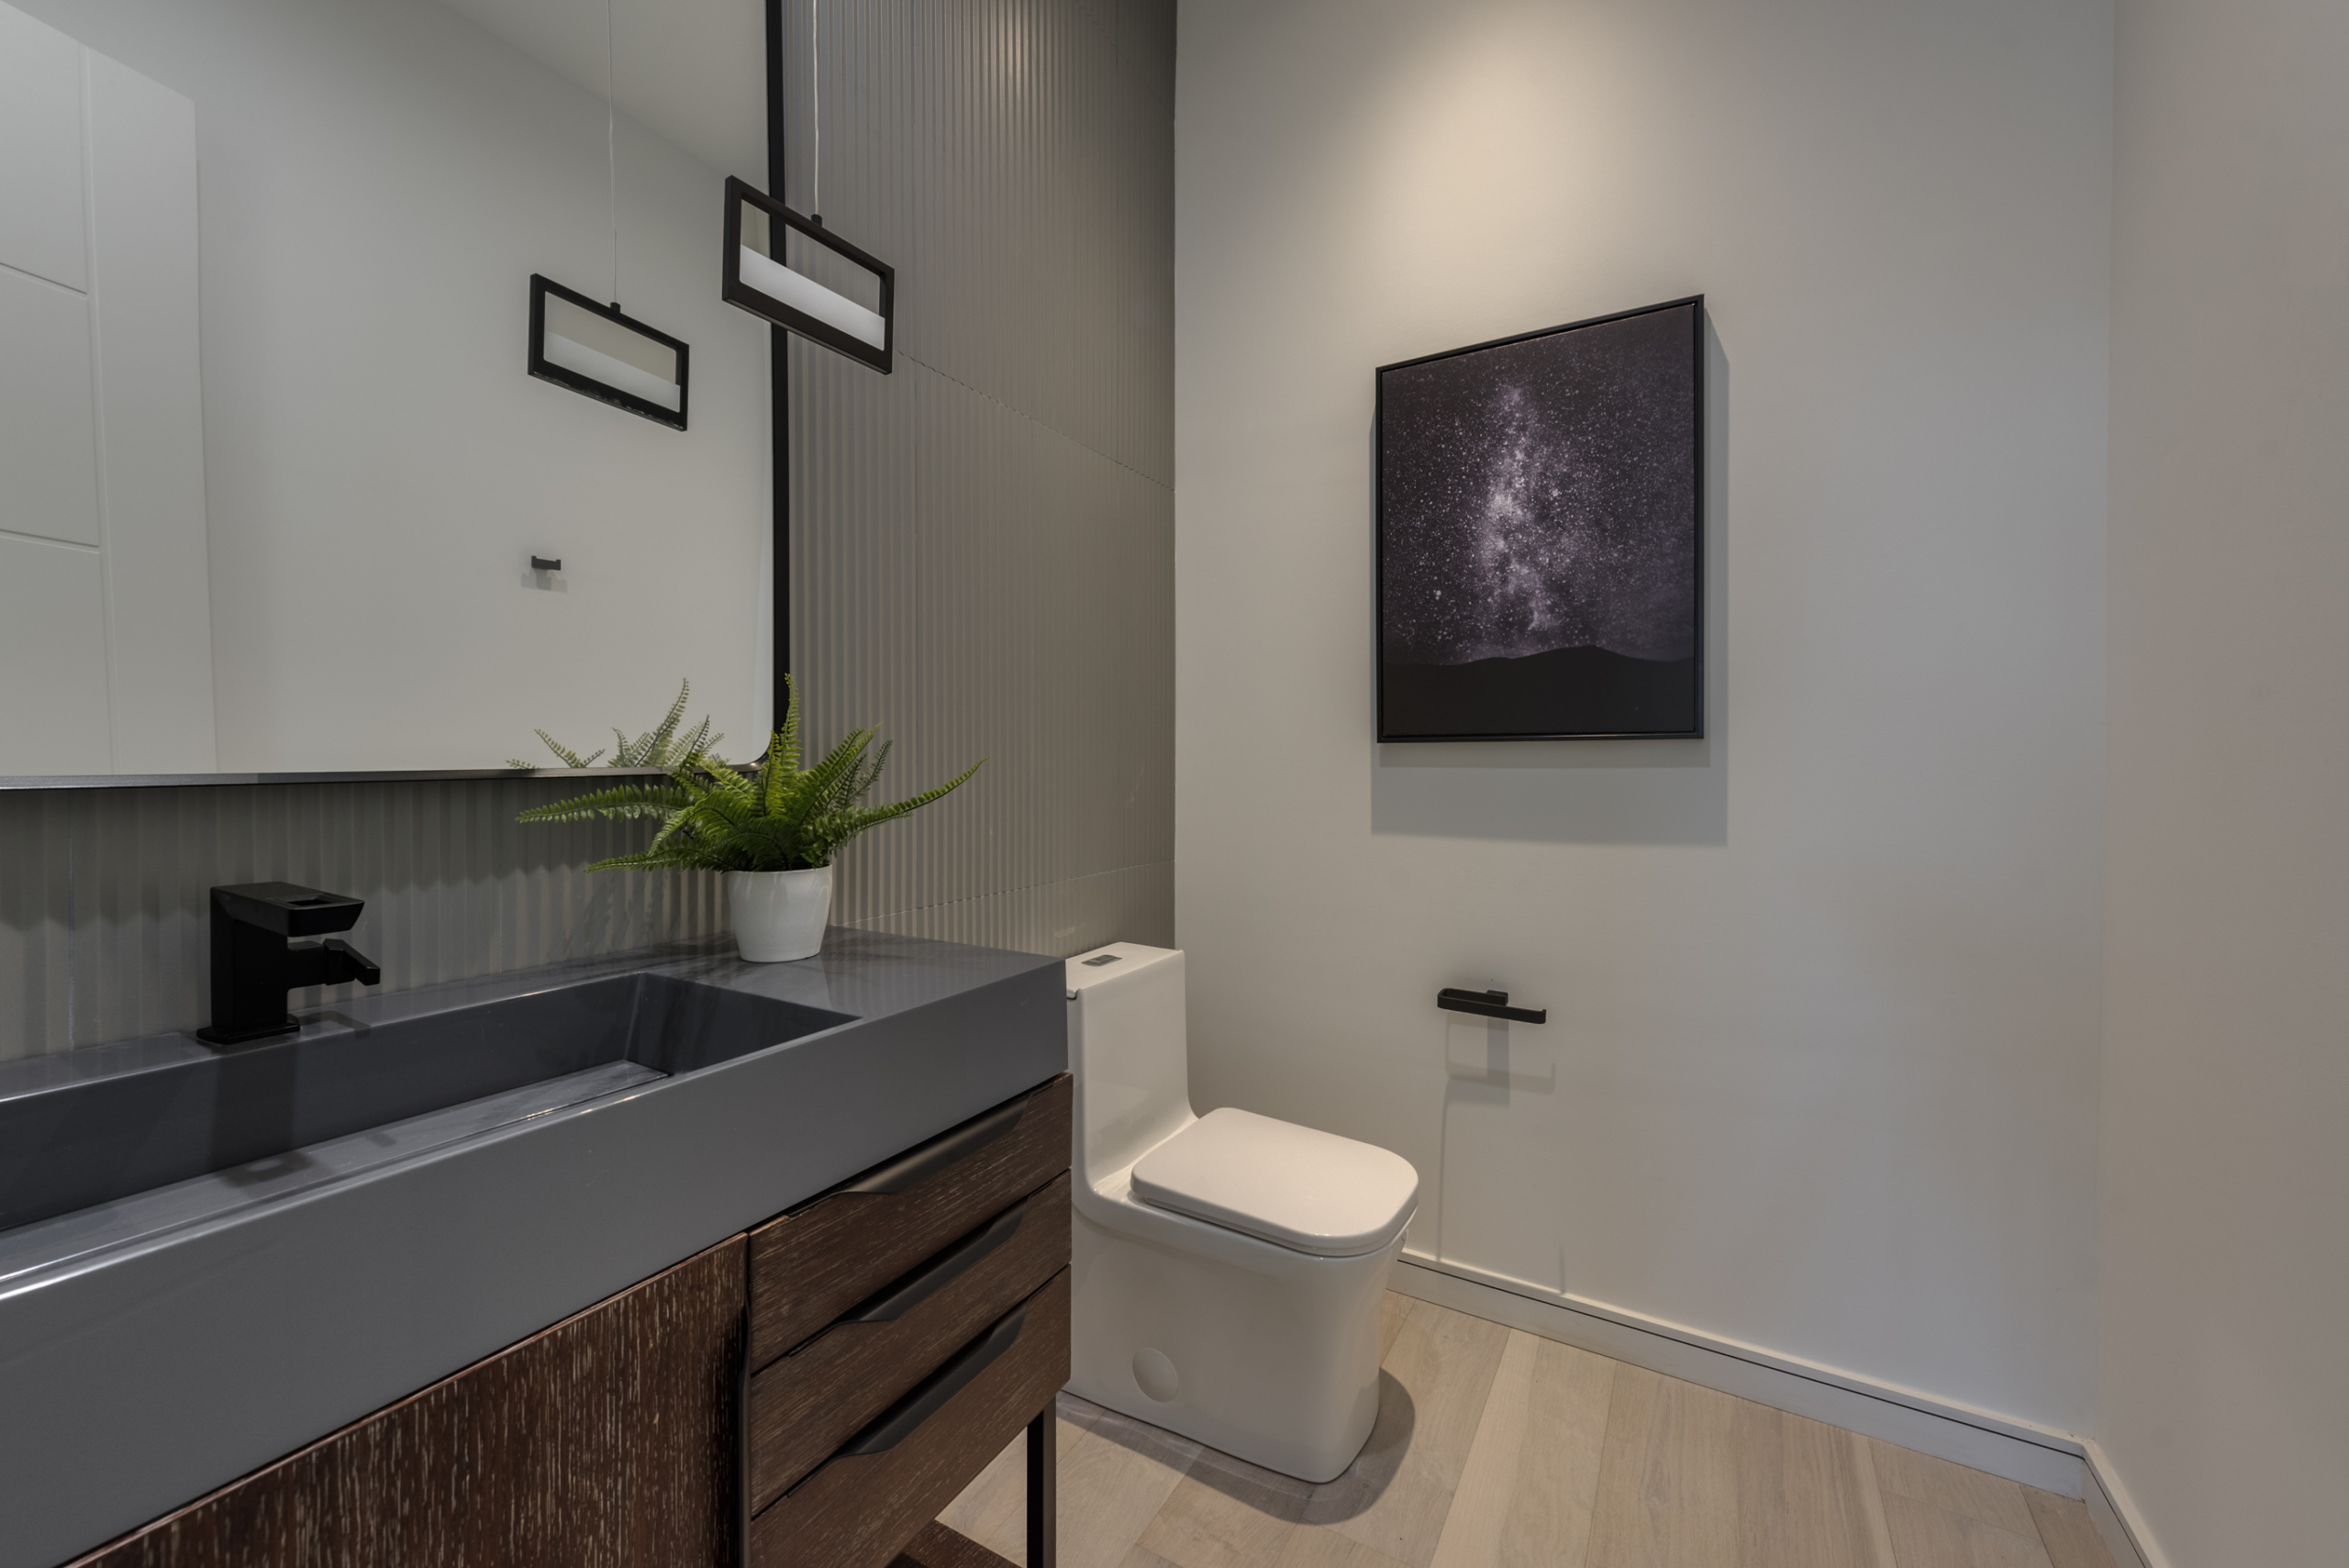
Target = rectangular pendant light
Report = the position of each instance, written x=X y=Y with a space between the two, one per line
x=793 y=272
x=614 y=359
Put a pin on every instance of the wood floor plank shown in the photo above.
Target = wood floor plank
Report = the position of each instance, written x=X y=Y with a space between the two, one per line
x=1480 y=1505
x=1310 y=1546
x=1392 y=1309
x=1993 y=1499
x=1143 y=1557
x=2066 y=1530
x=1394 y=1498
x=992 y=1509
x=1524 y=1500
x=1872 y=1500
x=1925 y=1536
x=1114 y=1477
x=1806 y=1497
x=1227 y=1513
x=1667 y=1484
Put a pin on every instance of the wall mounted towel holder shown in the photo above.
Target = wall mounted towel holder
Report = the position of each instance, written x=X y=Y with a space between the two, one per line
x=1488 y=1005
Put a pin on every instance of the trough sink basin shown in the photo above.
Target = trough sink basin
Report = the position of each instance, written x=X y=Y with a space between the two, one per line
x=93 y=1125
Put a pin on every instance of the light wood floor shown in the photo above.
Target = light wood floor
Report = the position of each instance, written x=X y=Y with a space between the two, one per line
x=1497 y=1450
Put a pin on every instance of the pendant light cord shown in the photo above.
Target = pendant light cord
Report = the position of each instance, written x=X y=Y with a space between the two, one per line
x=816 y=76
x=611 y=154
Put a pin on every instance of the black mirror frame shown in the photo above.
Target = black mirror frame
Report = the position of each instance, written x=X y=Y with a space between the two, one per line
x=541 y=286
x=765 y=306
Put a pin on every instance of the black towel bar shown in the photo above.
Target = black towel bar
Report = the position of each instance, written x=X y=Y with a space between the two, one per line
x=1488 y=1005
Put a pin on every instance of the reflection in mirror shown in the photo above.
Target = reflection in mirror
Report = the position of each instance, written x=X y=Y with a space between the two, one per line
x=592 y=348
x=274 y=513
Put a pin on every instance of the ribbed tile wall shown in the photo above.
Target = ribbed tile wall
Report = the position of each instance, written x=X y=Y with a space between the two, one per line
x=984 y=567
x=983 y=560
x=104 y=893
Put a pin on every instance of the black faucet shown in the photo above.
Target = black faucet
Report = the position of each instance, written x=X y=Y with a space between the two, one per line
x=254 y=964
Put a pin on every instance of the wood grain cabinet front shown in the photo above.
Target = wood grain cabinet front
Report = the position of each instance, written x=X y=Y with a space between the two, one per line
x=871 y=1499
x=604 y=1441
x=806 y=1403
x=810 y=1266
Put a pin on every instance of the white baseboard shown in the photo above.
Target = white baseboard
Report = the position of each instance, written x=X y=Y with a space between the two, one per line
x=2020 y=1451
x=2117 y=1518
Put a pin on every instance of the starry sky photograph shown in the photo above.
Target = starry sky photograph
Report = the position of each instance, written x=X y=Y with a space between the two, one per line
x=1539 y=534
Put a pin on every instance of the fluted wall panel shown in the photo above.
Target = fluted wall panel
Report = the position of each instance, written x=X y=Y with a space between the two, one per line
x=104 y=893
x=983 y=540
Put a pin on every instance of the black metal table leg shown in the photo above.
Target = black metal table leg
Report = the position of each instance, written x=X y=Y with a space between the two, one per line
x=1044 y=1488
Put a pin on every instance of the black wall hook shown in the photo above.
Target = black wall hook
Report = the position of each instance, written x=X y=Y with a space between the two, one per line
x=1488 y=1005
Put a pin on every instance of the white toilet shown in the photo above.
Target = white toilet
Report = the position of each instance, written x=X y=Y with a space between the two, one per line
x=1227 y=1268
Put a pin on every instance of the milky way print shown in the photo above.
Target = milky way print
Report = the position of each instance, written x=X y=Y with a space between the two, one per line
x=1538 y=534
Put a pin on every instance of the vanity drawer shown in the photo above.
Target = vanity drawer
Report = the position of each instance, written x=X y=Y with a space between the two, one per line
x=862 y=1506
x=805 y=1404
x=810 y=1266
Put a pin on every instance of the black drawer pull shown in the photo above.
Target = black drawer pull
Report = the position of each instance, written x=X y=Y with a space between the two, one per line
x=918 y=1284
x=896 y=1423
x=908 y=1170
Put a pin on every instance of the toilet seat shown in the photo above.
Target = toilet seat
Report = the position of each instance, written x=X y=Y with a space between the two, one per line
x=1297 y=1187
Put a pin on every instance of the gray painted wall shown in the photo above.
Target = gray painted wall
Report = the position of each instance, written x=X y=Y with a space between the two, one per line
x=985 y=567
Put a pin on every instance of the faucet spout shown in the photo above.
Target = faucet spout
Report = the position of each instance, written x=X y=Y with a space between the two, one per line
x=330 y=962
x=255 y=962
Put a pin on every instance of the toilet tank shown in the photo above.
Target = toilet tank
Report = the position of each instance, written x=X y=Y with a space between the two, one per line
x=1128 y=1048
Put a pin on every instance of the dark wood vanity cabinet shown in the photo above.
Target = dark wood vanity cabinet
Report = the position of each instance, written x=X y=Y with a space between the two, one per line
x=809 y=1394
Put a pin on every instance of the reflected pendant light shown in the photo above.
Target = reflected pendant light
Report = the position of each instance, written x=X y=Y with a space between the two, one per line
x=592 y=348
x=789 y=270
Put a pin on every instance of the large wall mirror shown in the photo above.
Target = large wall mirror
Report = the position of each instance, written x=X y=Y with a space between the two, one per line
x=274 y=469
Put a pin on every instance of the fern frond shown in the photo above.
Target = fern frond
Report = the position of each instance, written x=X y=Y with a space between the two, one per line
x=715 y=816
x=570 y=758
x=656 y=748
x=839 y=763
x=788 y=735
x=656 y=745
x=874 y=816
x=647 y=799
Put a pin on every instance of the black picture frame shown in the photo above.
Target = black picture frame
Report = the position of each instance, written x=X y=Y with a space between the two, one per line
x=1620 y=702
x=735 y=292
x=602 y=391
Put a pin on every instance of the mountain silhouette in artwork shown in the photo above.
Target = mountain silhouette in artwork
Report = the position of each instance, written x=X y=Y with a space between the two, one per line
x=1566 y=691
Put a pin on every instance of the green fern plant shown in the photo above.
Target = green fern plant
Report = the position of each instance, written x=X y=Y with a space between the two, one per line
x=656 y=748
x=782 y=817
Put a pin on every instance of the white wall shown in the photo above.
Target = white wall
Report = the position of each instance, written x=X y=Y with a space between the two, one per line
x=1821 y=1069
x=379 y=179
x=2223 y=1365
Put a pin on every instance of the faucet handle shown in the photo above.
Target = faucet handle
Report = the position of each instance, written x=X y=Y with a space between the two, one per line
x=287 y=907
x=347 y=962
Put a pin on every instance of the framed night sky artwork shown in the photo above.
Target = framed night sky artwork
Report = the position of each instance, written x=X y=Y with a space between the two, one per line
x=1539 y=534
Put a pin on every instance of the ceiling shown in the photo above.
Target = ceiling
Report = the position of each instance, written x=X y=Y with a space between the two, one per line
x=693 y=71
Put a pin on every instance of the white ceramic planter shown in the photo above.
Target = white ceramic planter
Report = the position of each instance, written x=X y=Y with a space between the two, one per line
x=779 y=914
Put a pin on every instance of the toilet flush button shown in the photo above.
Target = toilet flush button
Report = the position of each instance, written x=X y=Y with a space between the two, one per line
x=1157 y=1375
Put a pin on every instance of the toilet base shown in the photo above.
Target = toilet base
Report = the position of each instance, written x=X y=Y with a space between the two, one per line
x=1270 y=1355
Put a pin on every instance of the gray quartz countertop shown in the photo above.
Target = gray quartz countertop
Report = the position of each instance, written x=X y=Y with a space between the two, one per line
x=149 y=1354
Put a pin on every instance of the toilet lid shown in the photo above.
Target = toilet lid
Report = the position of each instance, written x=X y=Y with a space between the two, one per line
x=1309 y=1191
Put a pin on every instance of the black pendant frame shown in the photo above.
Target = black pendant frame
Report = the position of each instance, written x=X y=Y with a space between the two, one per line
x=602 y=391
x=735 y=292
